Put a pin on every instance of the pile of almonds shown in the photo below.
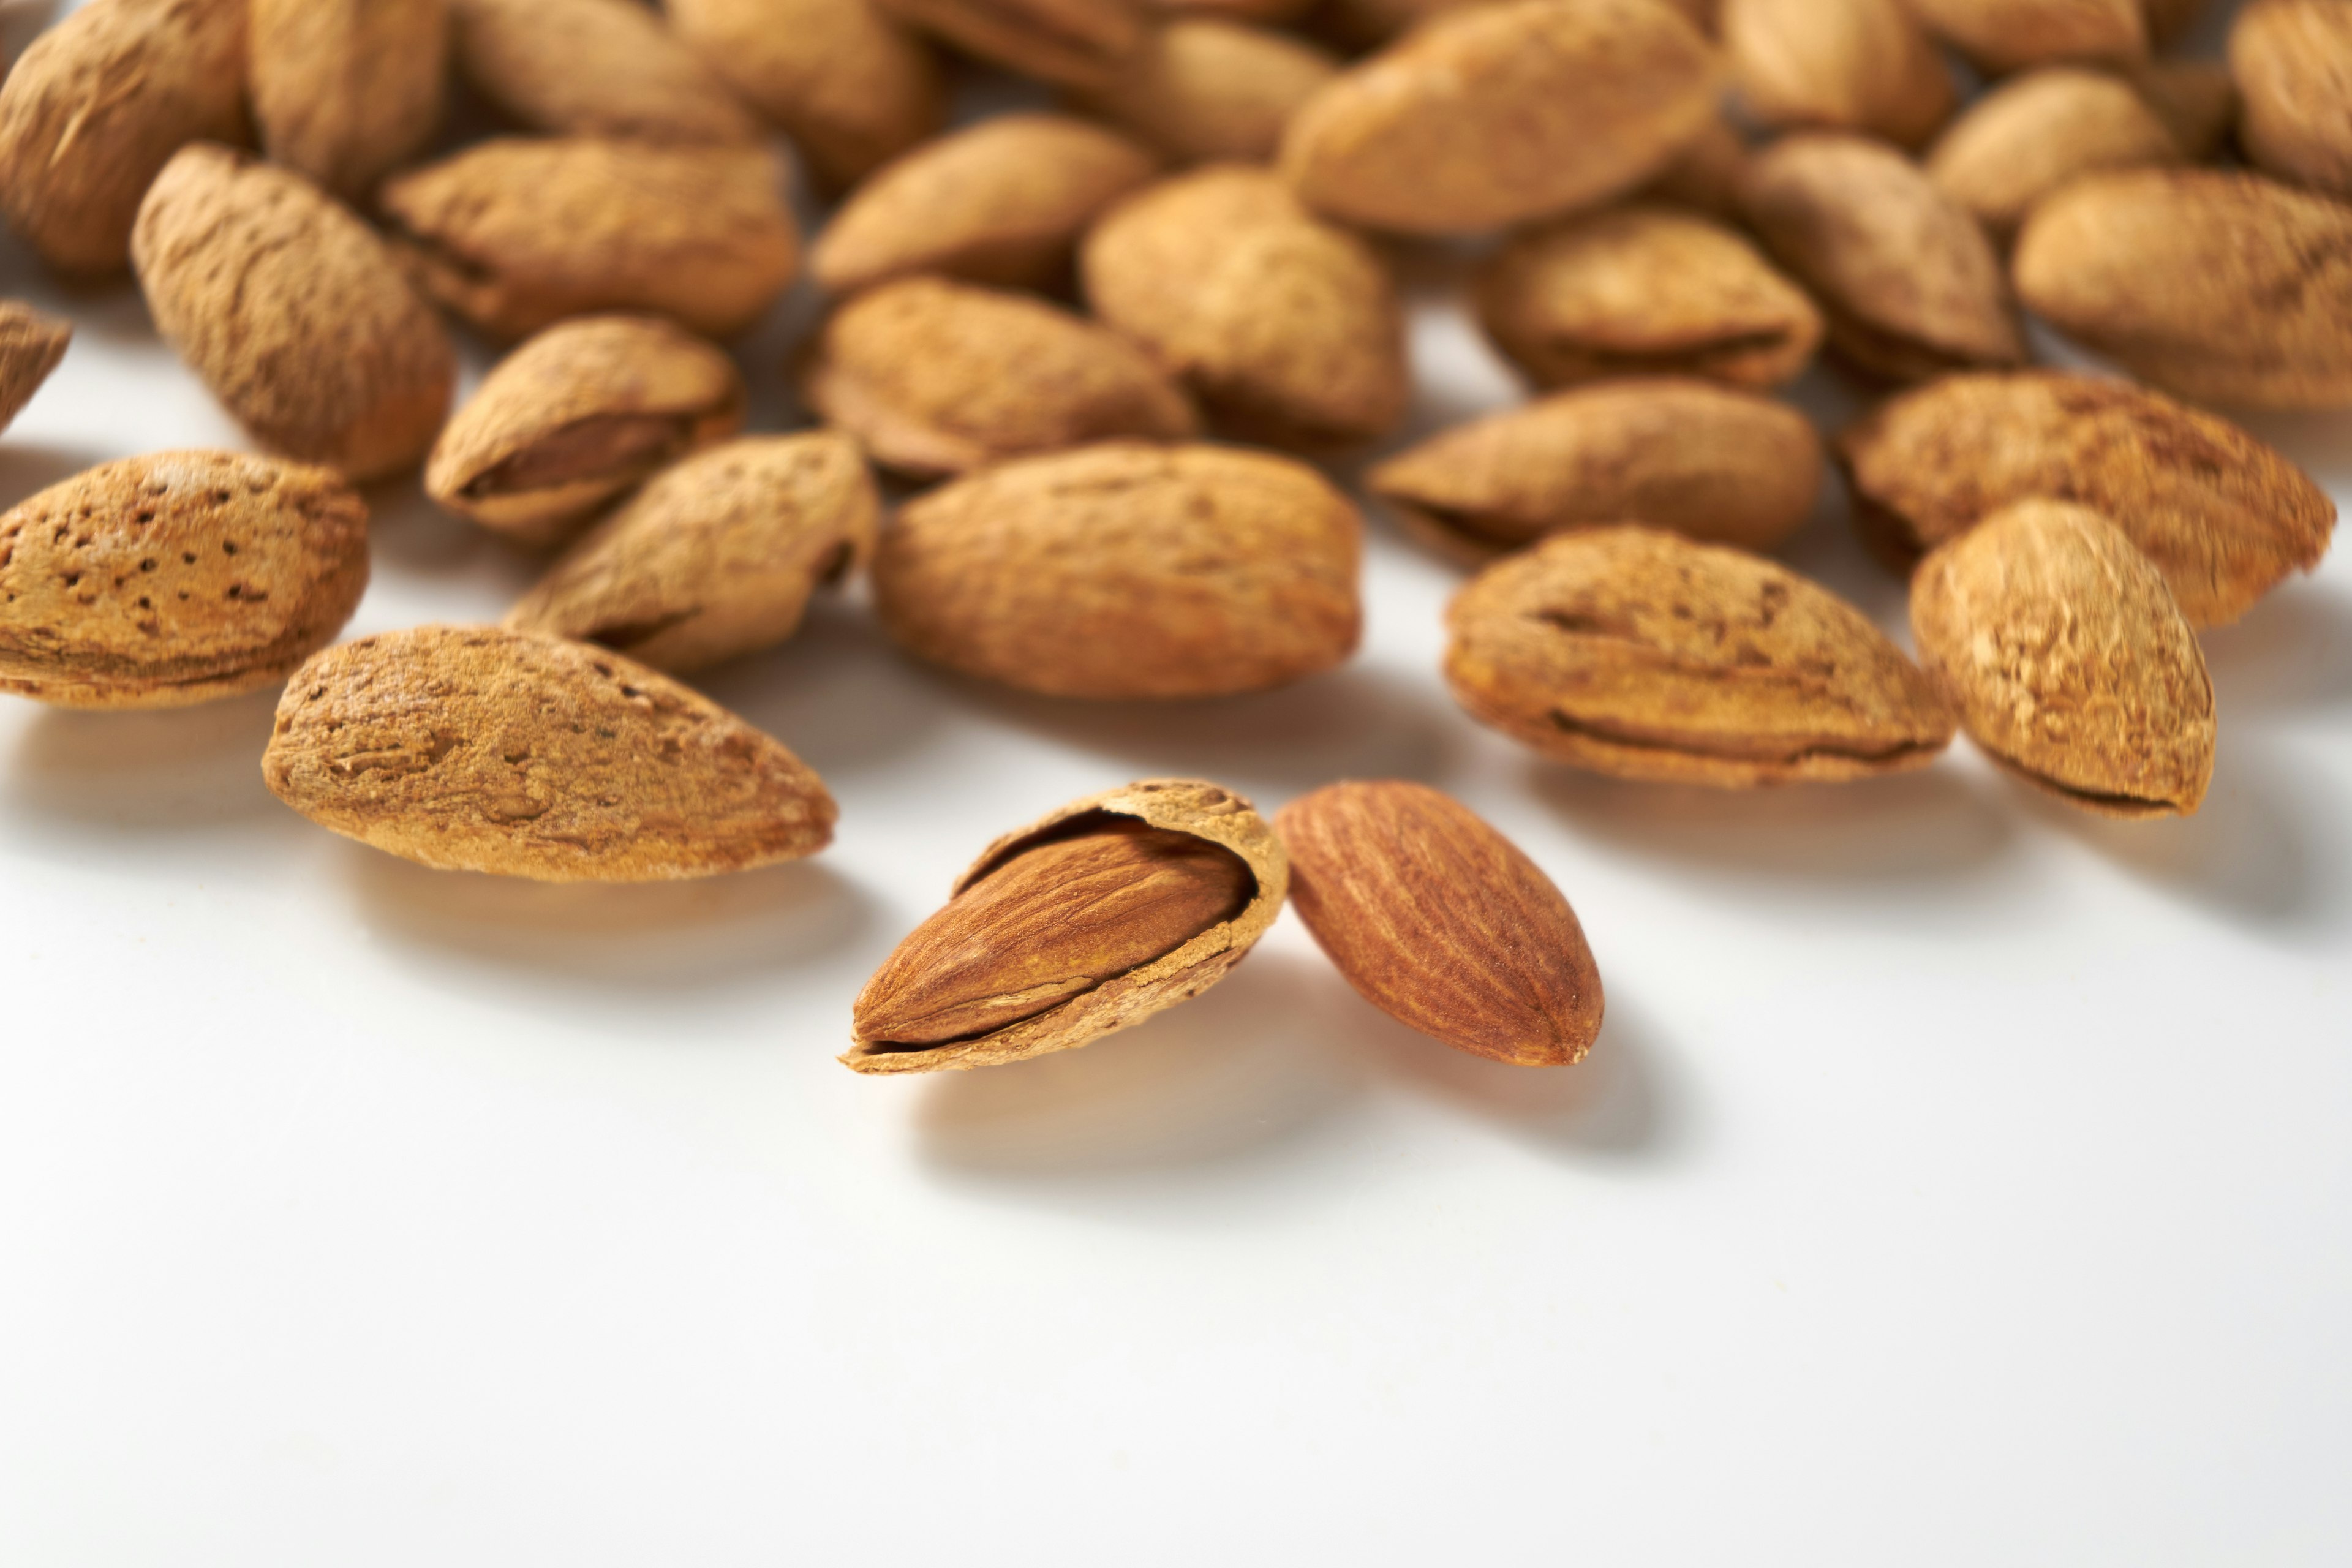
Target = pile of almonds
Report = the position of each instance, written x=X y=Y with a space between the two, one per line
x=1095 y=347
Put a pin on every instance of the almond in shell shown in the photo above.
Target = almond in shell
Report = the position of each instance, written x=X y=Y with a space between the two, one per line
x=595 y=68
x=1067 y=43
x=2292 y=62
x=346 y=90
x=1843 y=65
x=2037 y=131
x=32 y=343
x=1205 y=90
x=2002 y=36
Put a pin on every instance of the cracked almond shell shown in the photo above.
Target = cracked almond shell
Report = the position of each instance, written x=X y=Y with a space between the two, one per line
x=2292 y=63
x=346 y=90
x=1066 y=43
x=176 y=578
x=1186 y=806
x=32 y=343
x=2037 y=131
x=1205 y=90
x=594 y=67
x=1638 y=653
x=1844 y=65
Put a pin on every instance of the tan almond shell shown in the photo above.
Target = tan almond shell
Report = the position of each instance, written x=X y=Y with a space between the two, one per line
x=1286 y=329
x=1501 y=113
x=1706 y=174
x=937 y=378
x=1908 y=281
x=622 y=373
x=1442 y=923
x=475 y=749
x=2068 y=661
x=293 y=311
x=717 y=556
x=2223 y=516
x=2038 y=130
x=517 y=233
x=1841 y=65
x=32 y=343
x=1645 y=289
x=2168 y=19
x=594 y=67
x=1358 y=25
x=2197 y=101
x=1706 y=461
x=2215 y=286
x=96 y=106
x=2003 y=36
x=1264 y=13
x=177 y=578
x=347 y=91
x=1638 y=653
x=2292 y=63
x=1205 y=90
x=1179 y=806
x=1065 y=42
x=1127 y=570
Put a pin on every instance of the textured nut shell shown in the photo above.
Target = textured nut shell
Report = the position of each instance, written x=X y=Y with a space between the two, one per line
x=1128 y=571
x=1203 y=90
x=1909 y=282
x=1645 y=290
x=594 y=67
x=1706 y=174
x=2292 y=62
x=1496 y=114
x=1002 y=202
x=937 y=377
x=1638 y=653
x=2068 y=661
x=1286 y=329
x=176 y=578
x=1847 y=65
x=32 y=343
x=474 y=749
x=1069 y=43
x=2224 y=287
x=2035 y=132
x=2194 y=98
x=96 y=106
x=2008 y=34
x=1704 y=460
x=2221 y=515
x=853 y=87
x=518 y=233
x=652 y=390
x=715 y=557
x=1442 y=923
x=346 y=90
x=1181 y=806
x=292 y=310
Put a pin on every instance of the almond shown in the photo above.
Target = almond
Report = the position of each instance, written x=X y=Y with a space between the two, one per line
x=595 y=68
x=2003 y=36
x=1204 y=90
x=2292 y=62
x=2194 y=98
x=346 y=90
x=32 y=343
x=473 y=749
x=2035 y=132
x=1843 y=65
x=1068 y=43
x=1089 y=921
x=1706 y=174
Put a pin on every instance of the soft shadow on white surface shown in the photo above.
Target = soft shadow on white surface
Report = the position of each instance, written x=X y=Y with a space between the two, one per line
x=152 y=770
x=838 y=692
x=28 y=468
x=2290 y=654
x=413 y=538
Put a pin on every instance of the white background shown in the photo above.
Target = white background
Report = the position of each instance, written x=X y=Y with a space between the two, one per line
x=1958 y=1180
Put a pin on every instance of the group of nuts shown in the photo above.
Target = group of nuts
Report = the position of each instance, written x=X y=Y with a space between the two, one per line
x=1690 y=198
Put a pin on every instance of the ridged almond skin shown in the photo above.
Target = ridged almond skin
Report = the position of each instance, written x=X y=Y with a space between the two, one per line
x=474 y=749
x=2003 y=36
x=1216 y=816
x=32 y=344
x=346 y=90
x=716 y=557
x=177 y=578
x=1204 y=90
x=1910 y=283
x=577 y=415
x=2221 y=515
x=2292 y=63
x=1128 y=571
x=1704 y=460
x=1645 y=290
x=595 y=68
x=1001 y=201
x=939 y=378
x=852 y=87
x=2068 y=661
x=2219 y=287
x=96 y=106
x=1286 y=329
x=294 y=312
x=517 y=233
x=1065 y=42
x=1498 y=114
x=1442 y=923
x=2037 y=131
x=1841 y=65
x=1640 y=654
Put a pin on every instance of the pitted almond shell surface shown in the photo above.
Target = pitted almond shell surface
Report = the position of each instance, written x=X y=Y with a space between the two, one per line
x=2035 y=132
x=1127 y=570
x=2221 y=515
x=32 y=343
x=577 y=415
x=293 y=311
x=1638 y=653
x=176 y=578
x=1190 y=806
x=1204 y=90
x=2292 y=62
x=474 y=749
x=2068 y=661
x=595 y=68
x=2002 y=36
x=346 y=90
x=1066 y=43
x=1843 y=65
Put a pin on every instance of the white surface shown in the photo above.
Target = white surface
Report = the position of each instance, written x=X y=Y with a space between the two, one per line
x=1958 y=1181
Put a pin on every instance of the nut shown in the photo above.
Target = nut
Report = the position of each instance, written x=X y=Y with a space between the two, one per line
x=2002 y=36
x=2035 y=132
x=1843 y=65
x=1706 y=174
x=594 y=67
x=2292 y=62
x=1068 y=43
x=346 y=90
x=32 y=343
x=1204 y=90
x=2194 y=98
